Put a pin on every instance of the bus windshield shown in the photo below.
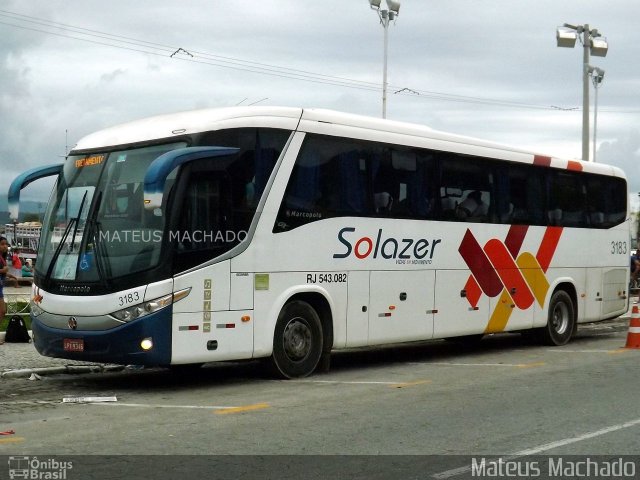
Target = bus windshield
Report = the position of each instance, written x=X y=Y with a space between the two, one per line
x=95 y=226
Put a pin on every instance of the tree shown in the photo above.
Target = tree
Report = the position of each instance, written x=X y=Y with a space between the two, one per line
x=31 y=217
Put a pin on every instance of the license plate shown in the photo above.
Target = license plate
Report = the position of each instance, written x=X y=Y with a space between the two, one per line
x=73 y=345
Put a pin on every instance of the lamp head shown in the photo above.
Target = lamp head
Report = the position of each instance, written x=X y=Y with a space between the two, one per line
x=394 y=6
x=566 y=37
x=599 y=47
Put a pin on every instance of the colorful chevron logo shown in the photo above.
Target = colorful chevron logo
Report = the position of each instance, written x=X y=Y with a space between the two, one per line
x=499 y=269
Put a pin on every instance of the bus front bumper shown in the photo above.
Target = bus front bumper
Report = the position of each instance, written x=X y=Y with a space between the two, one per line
x=121 y=344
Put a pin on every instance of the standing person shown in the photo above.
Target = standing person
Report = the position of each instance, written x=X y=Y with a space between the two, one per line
x=635 y=269
x=16 y=264
x=4 y=269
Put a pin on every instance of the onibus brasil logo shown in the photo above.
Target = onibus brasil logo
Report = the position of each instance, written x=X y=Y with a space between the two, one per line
x=37 y=469
x=499 y=269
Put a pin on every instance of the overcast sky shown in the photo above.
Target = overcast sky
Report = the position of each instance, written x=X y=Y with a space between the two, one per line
x=493 y=65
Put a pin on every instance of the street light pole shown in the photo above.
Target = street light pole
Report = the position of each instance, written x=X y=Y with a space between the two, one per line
x=592 y=45
x=386 y=16
x=585 y=93
x=595 y=118
x=597 y=74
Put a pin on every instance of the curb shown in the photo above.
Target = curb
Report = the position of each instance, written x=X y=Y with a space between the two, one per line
x=26 y=372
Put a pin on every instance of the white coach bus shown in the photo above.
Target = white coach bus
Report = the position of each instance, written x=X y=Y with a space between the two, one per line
x=286 y=234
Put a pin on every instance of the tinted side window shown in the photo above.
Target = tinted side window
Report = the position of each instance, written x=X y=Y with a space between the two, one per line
x=607 y=201
x=259 y=151
x=217 y=197
x=466 y=189
x=337 y=177
x=567 y=199
x=520 y=194
x=331 y=178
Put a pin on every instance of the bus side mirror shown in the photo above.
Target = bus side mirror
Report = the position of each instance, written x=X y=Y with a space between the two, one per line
x=161 y=167
x=25 y=179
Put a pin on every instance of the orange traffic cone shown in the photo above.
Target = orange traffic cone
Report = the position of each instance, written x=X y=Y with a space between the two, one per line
x=633 y=337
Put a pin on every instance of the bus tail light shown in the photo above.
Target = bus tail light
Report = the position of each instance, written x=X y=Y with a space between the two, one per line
x=140 y=310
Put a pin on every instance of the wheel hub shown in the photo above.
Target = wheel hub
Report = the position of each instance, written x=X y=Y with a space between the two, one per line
x=560 y=319
x=297 y=339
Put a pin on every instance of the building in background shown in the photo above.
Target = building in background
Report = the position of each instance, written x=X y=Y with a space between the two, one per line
x=25 y=236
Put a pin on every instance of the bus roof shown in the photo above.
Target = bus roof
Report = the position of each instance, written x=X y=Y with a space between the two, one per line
x=184 y=123
x=189 y=122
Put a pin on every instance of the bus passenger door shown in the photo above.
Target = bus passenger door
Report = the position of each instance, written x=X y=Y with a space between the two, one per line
x=358 y=309
x=401 y=306
x=461 y=309
x=593 y=298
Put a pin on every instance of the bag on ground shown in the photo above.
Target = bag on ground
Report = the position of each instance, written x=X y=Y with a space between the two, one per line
x=17 y=331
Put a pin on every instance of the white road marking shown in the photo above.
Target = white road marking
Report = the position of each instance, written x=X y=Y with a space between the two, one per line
x=343 y=382
x=582 y=351
x=453 y=364
x=115 y=404
x=545 y=447
x=156 y=405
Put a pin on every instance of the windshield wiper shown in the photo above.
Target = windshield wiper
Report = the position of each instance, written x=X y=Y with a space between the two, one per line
x=98 y=247
x=75 y=230
x=72 y=222
x=100 y=253
x=56 y=254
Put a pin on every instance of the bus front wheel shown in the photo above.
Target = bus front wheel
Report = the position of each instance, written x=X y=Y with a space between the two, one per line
x=561 y=322
x=297 y=342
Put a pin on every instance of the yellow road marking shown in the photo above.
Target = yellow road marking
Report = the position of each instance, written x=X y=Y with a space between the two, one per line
x=409 y=384
x=246 y=408
x=619 y=350
x=531 y=365
x=12 y=440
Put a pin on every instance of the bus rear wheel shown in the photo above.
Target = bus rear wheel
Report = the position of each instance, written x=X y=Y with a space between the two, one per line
x=297 y=342
x=561 y=323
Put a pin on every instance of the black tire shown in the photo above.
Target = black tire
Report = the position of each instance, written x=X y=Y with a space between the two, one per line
x=561 y=322
x=297 y=341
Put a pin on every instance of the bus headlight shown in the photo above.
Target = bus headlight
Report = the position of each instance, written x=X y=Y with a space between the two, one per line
x=35 y=309
x=141 y=309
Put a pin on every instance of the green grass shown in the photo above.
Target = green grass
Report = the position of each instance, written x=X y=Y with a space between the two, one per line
x=5 y=321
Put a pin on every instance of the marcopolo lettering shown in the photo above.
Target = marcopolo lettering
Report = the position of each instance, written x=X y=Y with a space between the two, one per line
x=385 y=247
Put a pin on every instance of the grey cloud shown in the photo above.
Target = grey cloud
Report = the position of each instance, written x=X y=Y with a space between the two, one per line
x=110 y=77
x=624 y=152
